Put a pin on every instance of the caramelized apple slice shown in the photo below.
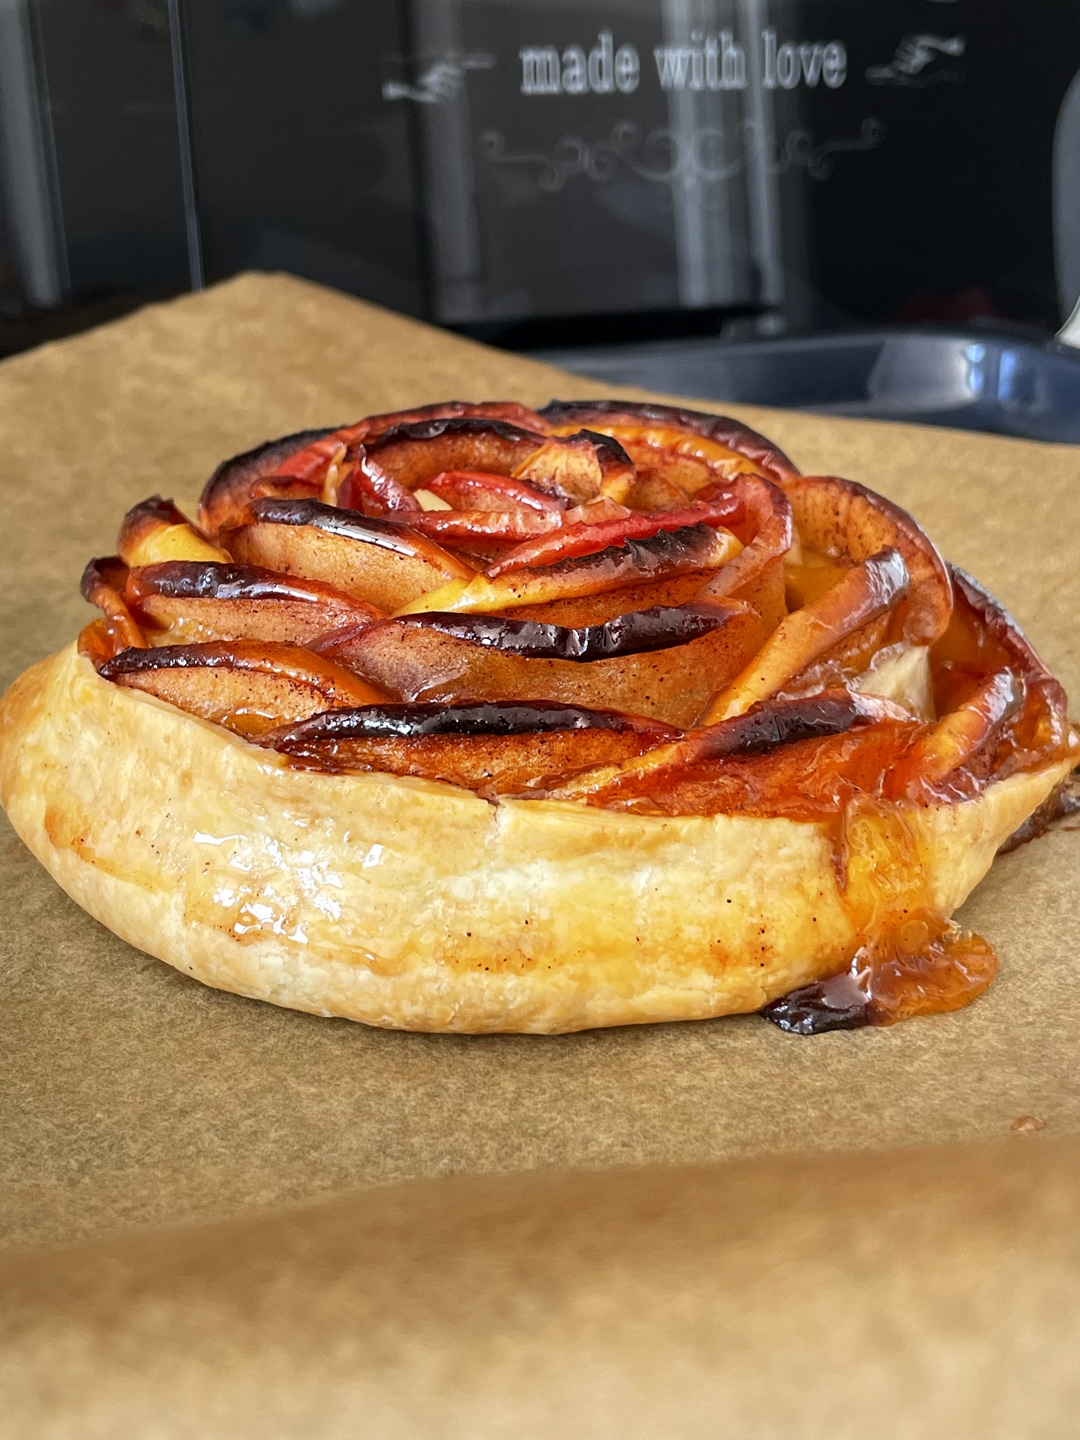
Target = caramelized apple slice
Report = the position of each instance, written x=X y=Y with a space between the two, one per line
x=649 y=431
x=846 y=521
x=901 y=673
x=362 y=484
x=508 y=410
x=761 y=520
x=489 y=532
x=767 y=727
x=494 y=748
x=299 y=466
x=247 y=686
x=692 y=550
x=866 y=591
x=377 y=561
x=156 y=530
x=983 y=639
x=413 y=453
x=663 y=663
x=597 y=609
x=100 y=641
x=103 y=583
x=192 y=601
x=235 y=482
x=570 y=468
x=935 y=765
x=583 y=466
x=311 y=465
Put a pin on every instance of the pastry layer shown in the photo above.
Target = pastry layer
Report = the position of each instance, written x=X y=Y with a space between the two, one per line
x=415 y=905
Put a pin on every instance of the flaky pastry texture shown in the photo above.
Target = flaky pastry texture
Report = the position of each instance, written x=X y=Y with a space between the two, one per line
x=483 y=719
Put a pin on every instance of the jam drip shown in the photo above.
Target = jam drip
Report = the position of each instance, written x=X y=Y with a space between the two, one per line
x=924 y=967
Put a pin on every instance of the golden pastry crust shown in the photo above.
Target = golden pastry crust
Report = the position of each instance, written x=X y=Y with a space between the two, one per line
x=413 y=904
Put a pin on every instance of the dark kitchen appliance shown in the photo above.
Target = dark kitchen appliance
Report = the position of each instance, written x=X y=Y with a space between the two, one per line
x=559 y=173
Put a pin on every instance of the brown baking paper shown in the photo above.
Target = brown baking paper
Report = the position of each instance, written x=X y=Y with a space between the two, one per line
x=134 y=1097
x=930 y=1294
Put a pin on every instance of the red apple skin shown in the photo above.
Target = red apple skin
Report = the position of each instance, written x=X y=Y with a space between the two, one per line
x=484 y=528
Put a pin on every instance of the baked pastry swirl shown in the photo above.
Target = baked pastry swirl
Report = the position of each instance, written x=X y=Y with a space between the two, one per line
x=479 y=718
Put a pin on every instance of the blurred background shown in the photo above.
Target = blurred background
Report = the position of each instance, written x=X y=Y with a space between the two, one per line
x=864 y=208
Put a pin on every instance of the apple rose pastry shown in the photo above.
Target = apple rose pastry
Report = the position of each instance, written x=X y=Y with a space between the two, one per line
x=478 y=718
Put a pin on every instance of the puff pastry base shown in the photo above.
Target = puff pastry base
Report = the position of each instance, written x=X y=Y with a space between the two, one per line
x=415 y=905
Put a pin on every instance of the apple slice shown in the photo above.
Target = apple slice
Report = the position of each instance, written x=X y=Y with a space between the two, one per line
x=651 y=433
x=845 y=521
x=508 y=410
x=664 y=663
x=981 y=646
x=478 y=490
x=575 y=467
x=866 y=591
x=766 y=728
x=585 y=539
x=234 y=483
x=487 y=528
x=598 y=608
x=650 y=489
x=983 y=637
x=937 y=765
x=308 y=465
x=363 y=485
x=488 y=534
x=492 y=748
x=379 y=562
x=299 y=465
x=193 y=601
x=569 y=469
x=667 y=554
x=246 y=686
x=414 y=453
x=103 y=583
x=156 y=530
x=761 y=520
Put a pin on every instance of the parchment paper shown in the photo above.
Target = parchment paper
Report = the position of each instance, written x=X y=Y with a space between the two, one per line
x=134 y=1098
